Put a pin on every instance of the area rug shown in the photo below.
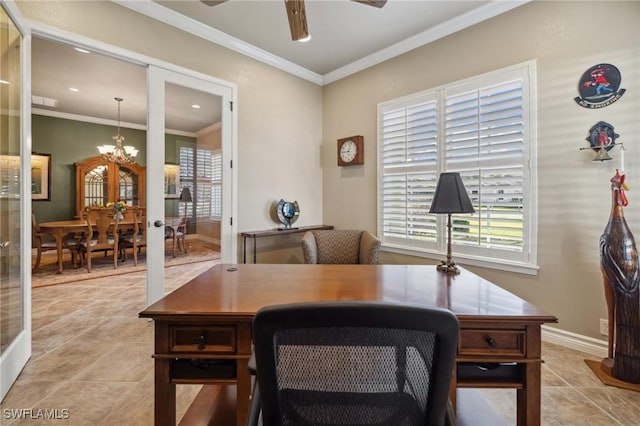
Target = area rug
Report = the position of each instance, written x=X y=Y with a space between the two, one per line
x=197 y=251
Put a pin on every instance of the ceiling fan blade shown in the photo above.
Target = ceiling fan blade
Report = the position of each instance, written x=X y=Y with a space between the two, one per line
x=212 y=2
x=374 y=3
x=297 y=19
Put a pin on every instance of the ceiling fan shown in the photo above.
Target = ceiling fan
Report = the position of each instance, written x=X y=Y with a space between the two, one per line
x=298 y=17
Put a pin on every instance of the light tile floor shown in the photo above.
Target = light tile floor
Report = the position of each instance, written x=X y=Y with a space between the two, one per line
x=92 y=357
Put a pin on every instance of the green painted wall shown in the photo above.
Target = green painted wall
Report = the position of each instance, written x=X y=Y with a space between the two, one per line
x=69 y=142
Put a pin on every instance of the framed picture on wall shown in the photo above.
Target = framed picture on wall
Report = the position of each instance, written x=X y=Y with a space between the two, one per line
x=171 y=180
x=40 y=177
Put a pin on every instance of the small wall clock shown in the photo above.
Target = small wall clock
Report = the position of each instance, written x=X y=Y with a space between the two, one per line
x=351 y=151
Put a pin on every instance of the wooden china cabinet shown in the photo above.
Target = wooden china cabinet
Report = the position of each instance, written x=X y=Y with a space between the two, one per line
x=99 y=182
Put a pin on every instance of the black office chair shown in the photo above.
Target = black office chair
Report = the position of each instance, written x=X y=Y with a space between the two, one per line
x=353 y=363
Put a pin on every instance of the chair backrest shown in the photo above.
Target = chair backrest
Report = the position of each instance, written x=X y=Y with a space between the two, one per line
x=140 y=226
x=102 y=227
x=36 y=237
x=184 y=221
x=346 y=363
x=340 y=247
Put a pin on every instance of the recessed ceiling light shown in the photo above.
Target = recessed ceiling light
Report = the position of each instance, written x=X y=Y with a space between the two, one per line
x=81 y=50
x=73 y=89
x=195 y=106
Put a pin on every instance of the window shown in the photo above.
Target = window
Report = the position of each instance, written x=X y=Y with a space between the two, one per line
x=483 y=128
x=201 y=172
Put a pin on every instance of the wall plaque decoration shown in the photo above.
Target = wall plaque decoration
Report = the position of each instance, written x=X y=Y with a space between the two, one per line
x=599 y=87
x=602 y=135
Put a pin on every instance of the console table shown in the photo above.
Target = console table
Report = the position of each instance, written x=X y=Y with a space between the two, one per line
x=203 y=329
x=272 y=233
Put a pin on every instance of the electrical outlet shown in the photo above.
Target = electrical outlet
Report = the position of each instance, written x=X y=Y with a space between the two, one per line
x=604 y=327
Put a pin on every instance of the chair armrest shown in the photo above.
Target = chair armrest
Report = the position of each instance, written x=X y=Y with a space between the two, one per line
x=369 y=248
x=309 y=248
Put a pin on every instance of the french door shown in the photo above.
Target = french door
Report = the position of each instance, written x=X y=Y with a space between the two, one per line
x=161 y=84
x=15 y=195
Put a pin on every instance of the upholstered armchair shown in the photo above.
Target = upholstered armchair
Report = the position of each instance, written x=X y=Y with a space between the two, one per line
x=340 y=246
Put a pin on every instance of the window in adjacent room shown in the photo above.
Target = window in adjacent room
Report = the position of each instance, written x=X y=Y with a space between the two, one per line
x=483 y=128
x=201 y=171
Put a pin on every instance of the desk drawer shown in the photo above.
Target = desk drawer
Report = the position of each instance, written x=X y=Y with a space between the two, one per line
x=495 y=342
x=206 y=339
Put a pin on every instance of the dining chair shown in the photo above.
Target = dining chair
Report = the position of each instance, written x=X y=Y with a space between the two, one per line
x=42 y=242
x=102 y=234
x=178 y=235
x=137 y=239
x=353 y=363
x=340 y=246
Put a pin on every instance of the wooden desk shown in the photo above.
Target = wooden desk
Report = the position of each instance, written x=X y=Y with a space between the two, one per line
x=273 y=233
x=210 y=318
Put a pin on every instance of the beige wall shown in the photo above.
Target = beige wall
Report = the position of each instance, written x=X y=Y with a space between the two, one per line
x=279 y=115
x=566 y=38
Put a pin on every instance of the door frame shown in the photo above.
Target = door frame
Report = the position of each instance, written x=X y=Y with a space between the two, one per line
x=155 y=160
x=13 y=360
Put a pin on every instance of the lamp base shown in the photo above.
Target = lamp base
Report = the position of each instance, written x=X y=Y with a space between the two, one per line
x=448 y=267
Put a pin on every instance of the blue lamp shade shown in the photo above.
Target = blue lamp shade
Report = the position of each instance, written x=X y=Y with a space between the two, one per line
x=451 y=195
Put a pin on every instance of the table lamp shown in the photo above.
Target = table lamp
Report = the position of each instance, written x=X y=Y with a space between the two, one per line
x=185 y=197
x=450 y=197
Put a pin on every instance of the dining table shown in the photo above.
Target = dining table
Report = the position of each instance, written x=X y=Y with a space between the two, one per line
x=58 y=229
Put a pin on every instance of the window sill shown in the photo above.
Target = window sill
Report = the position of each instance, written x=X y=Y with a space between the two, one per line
x=462 y=260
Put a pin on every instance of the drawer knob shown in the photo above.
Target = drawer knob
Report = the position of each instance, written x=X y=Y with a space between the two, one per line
x=492 y=342
x=201 y=341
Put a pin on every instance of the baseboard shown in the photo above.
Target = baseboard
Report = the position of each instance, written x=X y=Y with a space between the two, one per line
x=204 y=238
x=578 y=342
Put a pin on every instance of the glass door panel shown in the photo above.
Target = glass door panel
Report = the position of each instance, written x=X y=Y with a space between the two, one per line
x=15 y=338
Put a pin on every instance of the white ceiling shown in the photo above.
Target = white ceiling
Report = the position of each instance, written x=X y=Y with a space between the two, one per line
x=346 y=37
x=341 y=31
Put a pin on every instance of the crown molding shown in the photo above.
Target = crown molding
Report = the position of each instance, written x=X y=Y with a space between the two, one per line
x=175 y=19
x=169 y=17
x=439 y=31
x=107 y=122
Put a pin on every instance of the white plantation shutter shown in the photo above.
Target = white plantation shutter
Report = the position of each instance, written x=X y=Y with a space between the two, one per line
x=409 y=161
x=201 y=169
x=186 y=157
x=216 y=185
x=481 y=128
x=484 y=130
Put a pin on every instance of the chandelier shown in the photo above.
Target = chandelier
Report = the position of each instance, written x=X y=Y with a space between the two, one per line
x=117 y=153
